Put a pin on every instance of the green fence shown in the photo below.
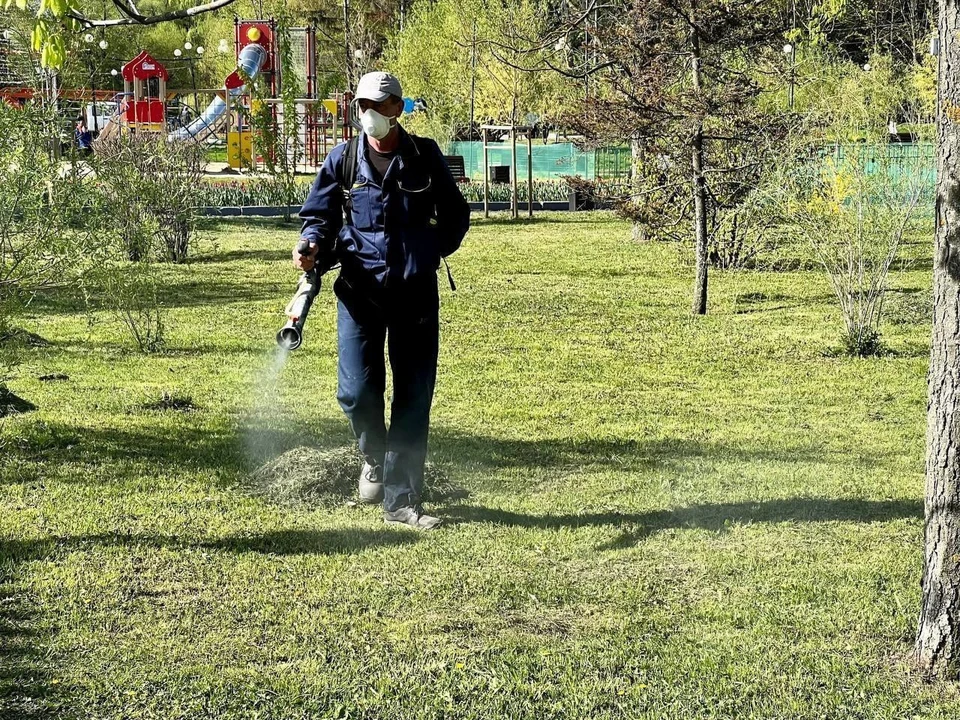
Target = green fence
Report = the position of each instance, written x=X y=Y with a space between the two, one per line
x=549 y=161
x=898 y=161
x=553 y=162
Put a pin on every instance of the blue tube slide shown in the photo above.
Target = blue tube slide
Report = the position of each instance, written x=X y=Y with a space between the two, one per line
x=250 y=61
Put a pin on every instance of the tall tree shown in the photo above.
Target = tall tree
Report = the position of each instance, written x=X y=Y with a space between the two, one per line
x=465 y=58
x=678 y=80
x=937 y=646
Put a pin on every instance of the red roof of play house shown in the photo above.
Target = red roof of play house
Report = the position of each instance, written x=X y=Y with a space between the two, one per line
x=143 y=66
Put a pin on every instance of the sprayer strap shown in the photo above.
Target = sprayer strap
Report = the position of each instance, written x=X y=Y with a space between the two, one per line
x=348 y=175
x=453 y=285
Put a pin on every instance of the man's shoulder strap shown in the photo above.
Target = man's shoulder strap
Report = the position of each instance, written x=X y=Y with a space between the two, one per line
x=348 y=164
x=347 y=175
x=347 y=171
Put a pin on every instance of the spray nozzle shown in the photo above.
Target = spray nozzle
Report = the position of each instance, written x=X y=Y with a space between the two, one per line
x=290 y=336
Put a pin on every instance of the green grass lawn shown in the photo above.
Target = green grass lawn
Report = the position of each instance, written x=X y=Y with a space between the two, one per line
x=668 y=517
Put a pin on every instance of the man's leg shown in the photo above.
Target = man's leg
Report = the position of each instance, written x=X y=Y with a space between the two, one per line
x=361 y=377
x=413 y=346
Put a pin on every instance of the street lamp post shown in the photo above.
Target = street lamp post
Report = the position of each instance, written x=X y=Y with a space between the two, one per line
x=791 y=50
x=358 y=65
x=179 y=53
x=92 y=66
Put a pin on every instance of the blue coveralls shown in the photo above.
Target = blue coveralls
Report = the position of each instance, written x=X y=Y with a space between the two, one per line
x=389 y=252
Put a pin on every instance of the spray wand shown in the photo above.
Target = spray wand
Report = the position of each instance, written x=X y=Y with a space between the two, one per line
x=290 y=336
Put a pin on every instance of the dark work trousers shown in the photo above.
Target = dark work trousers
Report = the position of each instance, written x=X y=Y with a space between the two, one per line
x=412 y=341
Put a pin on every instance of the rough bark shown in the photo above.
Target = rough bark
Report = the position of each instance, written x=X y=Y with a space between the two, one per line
x=636 y=186
x=937 y=648
x=699 y=196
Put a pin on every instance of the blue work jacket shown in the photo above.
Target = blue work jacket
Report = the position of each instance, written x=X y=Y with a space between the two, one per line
x=398 y=230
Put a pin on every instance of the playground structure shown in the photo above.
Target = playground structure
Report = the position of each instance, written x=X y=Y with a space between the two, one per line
x=320 y=124
x=145 y=107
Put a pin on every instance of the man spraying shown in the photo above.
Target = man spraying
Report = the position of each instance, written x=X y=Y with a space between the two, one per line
x=387 y=209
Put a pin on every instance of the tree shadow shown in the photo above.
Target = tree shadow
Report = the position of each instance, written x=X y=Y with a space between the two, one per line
x=617 y=453
x=11 y=404
x=195 y=293
x=312 y=542
x=24 y=683
x=791 y=264
x=230 y=451
x=179 y=293
x=910 y=349
x=341 y=541
x=715 y=517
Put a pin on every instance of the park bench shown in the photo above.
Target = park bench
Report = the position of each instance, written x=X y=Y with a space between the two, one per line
x=457 y=168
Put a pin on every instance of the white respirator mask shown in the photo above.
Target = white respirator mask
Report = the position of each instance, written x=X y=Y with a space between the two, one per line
x=374 y=124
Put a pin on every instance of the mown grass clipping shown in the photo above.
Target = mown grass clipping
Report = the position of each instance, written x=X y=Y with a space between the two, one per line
x=327 y=478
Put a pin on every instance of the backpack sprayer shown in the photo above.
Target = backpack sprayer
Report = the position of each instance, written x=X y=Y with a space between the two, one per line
x=290 y=336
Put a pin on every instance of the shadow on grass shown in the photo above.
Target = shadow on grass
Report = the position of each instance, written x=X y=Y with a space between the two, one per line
x=26 y=690
x=189 y=444
x=181 y=292
x=24 y=683
x=230 y=452
x=312 y=542
x=195 y=293
x=714 y=517
x=624 y=454
x=909 y=349
x=277 y=542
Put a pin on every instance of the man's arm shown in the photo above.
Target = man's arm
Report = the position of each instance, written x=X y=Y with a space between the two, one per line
x=453 y=212
x=322 y=216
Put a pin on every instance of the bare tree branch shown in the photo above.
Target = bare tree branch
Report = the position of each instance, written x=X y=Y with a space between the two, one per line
x=549 y=40
x=578 y=75
x=132 y=16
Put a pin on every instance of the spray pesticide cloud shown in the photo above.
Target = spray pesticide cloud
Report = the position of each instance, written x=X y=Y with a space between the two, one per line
x=266 y=418
x=262 y=437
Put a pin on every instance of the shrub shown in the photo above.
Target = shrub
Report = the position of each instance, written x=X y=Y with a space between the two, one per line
x=740 y=234
x=854 y=212
x=45 y=215
x=146 y=186
x=150 y=184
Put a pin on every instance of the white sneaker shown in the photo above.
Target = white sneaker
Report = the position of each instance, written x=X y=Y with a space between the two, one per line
x=412 y=516
x=371 y=484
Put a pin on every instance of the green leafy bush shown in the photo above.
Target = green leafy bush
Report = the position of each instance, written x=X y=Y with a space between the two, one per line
x=45 y=227
x=854 y=212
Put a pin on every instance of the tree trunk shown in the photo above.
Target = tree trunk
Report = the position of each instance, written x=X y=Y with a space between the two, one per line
x=937 y=648
x=640 y=233
x=699 y=195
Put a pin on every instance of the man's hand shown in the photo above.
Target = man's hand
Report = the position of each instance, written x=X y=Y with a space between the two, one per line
x=304 y=260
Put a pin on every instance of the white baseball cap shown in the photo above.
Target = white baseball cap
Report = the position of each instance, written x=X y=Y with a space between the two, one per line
x=378 y=86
